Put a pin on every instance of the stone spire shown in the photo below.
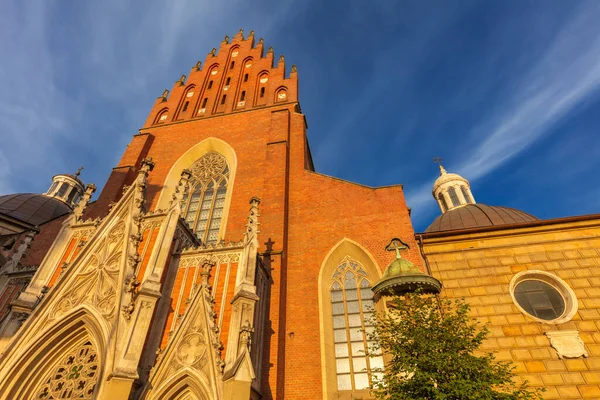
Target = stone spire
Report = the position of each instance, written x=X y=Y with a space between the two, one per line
x=451 y=190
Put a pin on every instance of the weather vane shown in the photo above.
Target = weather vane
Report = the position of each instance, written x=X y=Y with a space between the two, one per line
x=79 y=171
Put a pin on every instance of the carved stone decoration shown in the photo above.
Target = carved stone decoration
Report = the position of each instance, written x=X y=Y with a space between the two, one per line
x=193 y=344
x=127 y=310
x=74 y=377
x=567 y=344
x=83 y=202
x=246 y=335
x=208 y=166
x=20 y=317
x=192 y=350
x=96 y=283
x=25 y=244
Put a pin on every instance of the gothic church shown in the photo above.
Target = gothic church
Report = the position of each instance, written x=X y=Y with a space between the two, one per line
x=216 y=263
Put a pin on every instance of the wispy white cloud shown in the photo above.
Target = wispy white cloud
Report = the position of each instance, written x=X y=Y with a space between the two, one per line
x=566 y=75
x=87 y=75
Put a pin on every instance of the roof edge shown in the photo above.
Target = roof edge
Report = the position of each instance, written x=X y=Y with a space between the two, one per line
x=529 y=224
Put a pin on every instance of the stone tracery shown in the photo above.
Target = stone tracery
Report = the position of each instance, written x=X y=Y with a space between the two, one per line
x=73 y=377
x=203 y=204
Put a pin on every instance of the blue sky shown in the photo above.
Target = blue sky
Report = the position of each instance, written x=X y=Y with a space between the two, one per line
x=507 y=92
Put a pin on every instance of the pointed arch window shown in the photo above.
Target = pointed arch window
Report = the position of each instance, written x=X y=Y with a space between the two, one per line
x=453 y=196
x=74 y=376
x=352 y=305
x=204 y=202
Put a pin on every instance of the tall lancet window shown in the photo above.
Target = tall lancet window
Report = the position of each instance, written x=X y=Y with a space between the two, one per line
x=352 y=303
x=203 y=203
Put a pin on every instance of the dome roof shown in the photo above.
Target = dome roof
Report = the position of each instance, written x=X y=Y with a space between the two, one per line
x=34 y=209
x=402 y=276
x=478 y=216
x=448 y=177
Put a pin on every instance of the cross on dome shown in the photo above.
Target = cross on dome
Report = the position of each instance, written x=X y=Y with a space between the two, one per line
x=438 y=161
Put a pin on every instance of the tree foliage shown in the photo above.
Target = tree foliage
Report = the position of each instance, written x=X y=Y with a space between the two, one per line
x=431 y=344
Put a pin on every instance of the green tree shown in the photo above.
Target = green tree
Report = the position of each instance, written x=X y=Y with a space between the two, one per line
x=431 y=344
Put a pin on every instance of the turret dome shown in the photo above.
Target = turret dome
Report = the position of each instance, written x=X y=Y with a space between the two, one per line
x=460 y=211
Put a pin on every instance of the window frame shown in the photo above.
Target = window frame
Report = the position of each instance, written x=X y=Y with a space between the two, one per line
x=568 y=295
x=338 y=284
x=453 y=196
x=210 y=185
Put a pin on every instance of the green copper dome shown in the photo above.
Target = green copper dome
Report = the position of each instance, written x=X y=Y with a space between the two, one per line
x=402 y=276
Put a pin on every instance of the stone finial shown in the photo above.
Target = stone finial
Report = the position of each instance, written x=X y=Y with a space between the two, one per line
x=90 y=188
x=213 y=52
x=181 y=80
x=252 y=225
x=270 y=49
x=226 y=39
x=251 y=33
x=294 y=69
x=147 y=165
x=181 y=187
x=164 y=95
x=198 y=66
x=281 y=58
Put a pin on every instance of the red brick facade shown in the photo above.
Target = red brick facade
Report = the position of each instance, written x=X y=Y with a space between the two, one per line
x=303 y=214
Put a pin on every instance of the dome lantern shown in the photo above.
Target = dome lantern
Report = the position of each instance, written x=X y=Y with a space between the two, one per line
x=451 y=190
x=67 y=188
x=402 y=276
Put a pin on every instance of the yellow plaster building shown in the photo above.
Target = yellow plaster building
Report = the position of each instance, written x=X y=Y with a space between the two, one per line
x=536 y=283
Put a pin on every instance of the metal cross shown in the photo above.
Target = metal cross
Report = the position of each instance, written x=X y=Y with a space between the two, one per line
x=79 y=171
x=396 y=245
x=438 y=160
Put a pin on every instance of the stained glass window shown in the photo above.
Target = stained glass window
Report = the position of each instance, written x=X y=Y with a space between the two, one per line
x=453 y=196
x=74 y=377
x=352 y=307
x=204 y=201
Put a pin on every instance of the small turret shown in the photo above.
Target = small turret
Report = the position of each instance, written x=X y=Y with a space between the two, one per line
x=67 y=188
x=451 y=190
